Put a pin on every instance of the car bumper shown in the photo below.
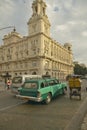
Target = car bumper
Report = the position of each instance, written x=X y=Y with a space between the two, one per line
x=29 y=98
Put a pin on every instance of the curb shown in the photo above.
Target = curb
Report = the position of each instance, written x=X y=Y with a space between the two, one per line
x=77 y=119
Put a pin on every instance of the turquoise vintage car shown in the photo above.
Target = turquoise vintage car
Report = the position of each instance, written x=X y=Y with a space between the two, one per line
x=41 y=89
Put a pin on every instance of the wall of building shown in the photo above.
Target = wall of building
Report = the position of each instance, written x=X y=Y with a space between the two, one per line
x=36 y=53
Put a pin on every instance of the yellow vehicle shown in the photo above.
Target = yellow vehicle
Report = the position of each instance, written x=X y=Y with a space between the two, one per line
x=75 y=86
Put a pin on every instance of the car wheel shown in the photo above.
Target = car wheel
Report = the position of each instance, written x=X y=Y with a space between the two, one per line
x=48 y=98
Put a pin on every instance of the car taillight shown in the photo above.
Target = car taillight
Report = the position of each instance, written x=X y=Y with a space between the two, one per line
x=38 y=94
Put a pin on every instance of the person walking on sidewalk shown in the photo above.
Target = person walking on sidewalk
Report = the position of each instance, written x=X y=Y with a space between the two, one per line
x=8 y=84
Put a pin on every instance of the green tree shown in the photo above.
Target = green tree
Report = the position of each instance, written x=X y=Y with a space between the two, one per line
x=80 y=70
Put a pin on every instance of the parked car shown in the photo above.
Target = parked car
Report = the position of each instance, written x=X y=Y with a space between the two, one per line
x=43 y=89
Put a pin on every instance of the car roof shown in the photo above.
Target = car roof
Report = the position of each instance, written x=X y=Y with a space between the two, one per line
x=40 y=80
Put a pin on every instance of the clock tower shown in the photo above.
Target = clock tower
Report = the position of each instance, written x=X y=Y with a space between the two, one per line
x=39 y=23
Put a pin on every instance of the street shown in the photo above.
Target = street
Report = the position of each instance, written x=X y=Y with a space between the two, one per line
x=16 y=114
x=84 y=123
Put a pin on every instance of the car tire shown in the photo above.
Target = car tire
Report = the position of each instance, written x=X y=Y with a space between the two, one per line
x=48 y=98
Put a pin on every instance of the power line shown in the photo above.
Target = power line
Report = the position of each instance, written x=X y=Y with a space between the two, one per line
x=7 y=27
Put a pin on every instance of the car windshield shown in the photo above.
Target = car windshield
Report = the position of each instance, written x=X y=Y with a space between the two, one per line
x=30 y=85
x=17 y=80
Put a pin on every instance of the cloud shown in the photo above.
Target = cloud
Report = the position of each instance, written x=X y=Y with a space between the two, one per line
x=14 y=13
x=84 y=33
x=56 y=9
x=62 y=27
x=68 y=20
x=7 y=9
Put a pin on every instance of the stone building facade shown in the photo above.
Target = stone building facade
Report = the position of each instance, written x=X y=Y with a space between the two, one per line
x=36 y=53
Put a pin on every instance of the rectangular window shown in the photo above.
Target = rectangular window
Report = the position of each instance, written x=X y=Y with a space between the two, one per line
x=30 y=85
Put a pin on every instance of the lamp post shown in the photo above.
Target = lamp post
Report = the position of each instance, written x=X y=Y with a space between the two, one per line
x=6 y=76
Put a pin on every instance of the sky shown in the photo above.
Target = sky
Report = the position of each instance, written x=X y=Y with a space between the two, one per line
x=68 y=19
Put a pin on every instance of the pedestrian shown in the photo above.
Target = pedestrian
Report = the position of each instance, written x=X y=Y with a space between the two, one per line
x=8 y=84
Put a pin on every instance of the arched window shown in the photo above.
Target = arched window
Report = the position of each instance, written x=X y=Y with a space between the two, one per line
x=34 y=73
x=42 y=85
x=15 y=73
x=47 y=73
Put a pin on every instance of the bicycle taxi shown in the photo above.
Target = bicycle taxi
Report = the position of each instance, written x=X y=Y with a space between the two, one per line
x=75 y=86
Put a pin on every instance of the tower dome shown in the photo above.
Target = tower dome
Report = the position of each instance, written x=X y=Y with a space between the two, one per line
x=68 y=46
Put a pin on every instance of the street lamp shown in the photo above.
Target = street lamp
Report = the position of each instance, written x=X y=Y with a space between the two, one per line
x=6 y=76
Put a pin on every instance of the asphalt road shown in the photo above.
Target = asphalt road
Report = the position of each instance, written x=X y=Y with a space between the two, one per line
x=84 y=124
x=16 y=114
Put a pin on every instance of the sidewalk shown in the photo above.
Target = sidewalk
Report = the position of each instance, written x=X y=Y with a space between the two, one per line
x=78 y=118
x=2 y=87
x=84 y=124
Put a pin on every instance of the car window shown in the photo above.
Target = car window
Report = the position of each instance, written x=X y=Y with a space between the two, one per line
x=17 y=80
x=56 y=81
x=30 y=85
x=46 y=84
x=52 y=82
x=42 y=85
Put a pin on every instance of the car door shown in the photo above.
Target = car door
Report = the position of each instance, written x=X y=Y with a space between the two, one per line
x=55 y=87
x=44 y=89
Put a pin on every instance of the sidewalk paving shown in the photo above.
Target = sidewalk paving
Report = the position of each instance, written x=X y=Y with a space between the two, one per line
x=2 y=87
x=84 y=123
x=77 y=119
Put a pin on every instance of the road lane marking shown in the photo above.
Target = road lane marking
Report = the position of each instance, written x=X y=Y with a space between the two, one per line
x=8 y=107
